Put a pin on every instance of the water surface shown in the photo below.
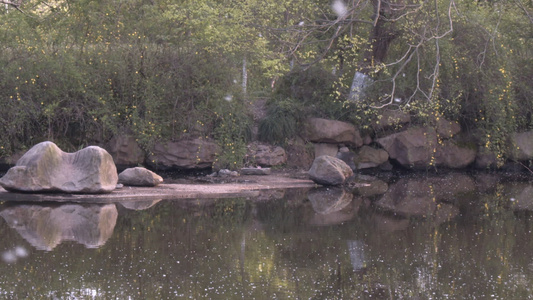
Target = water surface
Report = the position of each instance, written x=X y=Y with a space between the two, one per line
x=455 y=237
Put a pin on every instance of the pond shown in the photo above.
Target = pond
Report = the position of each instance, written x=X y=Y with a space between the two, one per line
x=422 y=237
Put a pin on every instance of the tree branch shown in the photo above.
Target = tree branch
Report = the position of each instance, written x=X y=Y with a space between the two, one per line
x=15 y=4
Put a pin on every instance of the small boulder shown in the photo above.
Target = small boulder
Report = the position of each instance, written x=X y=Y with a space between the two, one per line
x=139 y=177
x=45 y=168
x=328 y=170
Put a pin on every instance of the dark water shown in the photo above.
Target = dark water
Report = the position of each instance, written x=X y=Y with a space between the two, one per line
x=454 y=237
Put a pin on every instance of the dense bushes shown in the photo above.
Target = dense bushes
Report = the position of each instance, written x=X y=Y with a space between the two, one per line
x=79 y=72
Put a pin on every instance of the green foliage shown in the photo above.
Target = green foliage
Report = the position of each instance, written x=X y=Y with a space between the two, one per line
x=232 y=130
x=311 y=88
x=281 y=123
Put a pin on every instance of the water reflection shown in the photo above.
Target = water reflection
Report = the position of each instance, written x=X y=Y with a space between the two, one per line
x=45 y=227
x=139 y=204
x=332 y=206
x=453 y=237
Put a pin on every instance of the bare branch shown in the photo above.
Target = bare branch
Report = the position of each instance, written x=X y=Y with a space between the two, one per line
x=427 y=35
x=15 y=4
x=526 y=11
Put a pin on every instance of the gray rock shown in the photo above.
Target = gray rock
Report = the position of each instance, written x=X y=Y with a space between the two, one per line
x=139 y=177
x=45 y=168
x=183 y=154
x=334 y=132
x=328 y=170
x=255 y=171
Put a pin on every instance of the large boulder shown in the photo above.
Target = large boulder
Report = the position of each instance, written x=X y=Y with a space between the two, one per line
x=334 y=132
x=451 y=155
x=414 y=148
x=139 y=177
x=125 y=150
x=368 y=157
x=45 y=168
x=328 y=170
x=183 y=154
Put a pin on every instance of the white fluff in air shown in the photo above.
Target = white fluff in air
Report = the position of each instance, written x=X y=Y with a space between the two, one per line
x=339 y=8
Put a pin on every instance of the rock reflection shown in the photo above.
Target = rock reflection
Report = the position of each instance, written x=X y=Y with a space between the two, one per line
x=139 y=204
x=519 y=196
x=332 y=206
x=45 y=227
x=409 y=197
x=426 y=197
x=328 y=200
